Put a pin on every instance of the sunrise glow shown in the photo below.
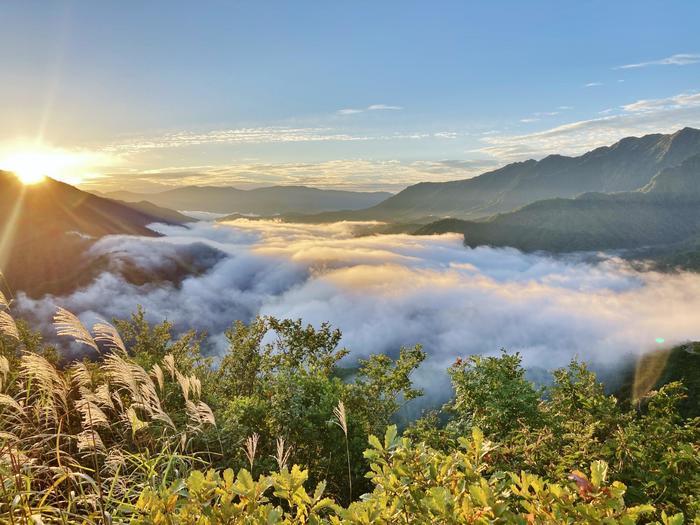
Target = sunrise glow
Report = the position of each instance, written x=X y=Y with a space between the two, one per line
x=34 y=165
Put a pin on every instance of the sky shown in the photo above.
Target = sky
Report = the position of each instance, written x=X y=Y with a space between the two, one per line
x=361 y=95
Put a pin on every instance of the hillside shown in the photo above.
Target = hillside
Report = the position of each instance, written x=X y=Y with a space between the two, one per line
x=163 y=214
x=261 y=201
x=665 y=213
x=47 y=227
x=625 y=166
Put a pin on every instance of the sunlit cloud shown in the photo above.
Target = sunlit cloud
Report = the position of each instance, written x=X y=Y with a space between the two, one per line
x=593 y=84
x=385 y=291
x=681 y=59
x=350 y=174
x=262 y=135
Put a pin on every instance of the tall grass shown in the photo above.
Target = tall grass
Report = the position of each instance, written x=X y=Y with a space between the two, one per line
x=84 y=441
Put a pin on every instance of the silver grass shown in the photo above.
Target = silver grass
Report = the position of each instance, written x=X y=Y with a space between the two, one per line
x=48 y=385
x=8 y=325
x=184 y=382
x=4 y=303
x=107 y=334
x=8 y=401
x=67 y=324
x=157 y=373
x=251 y=448
x=195 y=386
x=4 y=370
x=92 y=415
x=81 y=375
x=103 y=396
x=89 y=440
x=163 y=417
x=206 y=415
x=169 y=363
x=341 y=420
x=200 y=414
x=282 y=454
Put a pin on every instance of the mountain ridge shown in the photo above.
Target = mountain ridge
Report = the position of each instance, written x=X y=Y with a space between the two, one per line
x=627 y=165
x=665 y=212
x=261 y=201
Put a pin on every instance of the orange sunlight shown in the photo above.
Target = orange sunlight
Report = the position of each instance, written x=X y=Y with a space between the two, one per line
x=32 y=165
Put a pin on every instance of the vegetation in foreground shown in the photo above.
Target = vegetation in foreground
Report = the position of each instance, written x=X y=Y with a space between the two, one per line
x=151 y=432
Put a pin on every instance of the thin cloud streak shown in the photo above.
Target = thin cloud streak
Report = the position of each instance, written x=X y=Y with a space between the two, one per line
x=681 y=59
x=373 y=107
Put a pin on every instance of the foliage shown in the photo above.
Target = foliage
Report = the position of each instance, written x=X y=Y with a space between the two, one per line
x=650 y=447
x=150 y=432
x=493 y=394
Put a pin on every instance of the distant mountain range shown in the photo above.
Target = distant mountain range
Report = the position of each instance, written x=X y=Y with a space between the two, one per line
x=627 y=165
x=262 y=201
x=664 y=212
x=47 y=227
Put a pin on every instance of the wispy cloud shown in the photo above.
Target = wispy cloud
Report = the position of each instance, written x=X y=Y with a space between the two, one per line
x=351 y=174
x=593 y=84
x=539 y=115
x=664 y=115
x=681 y=59
x=261 y=135
x=373 y=107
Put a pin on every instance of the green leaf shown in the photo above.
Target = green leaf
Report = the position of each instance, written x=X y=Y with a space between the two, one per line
x=390 y=437
x=599 y=472
x=376 y=444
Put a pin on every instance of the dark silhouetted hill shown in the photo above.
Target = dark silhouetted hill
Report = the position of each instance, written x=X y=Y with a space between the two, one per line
x=47 y=227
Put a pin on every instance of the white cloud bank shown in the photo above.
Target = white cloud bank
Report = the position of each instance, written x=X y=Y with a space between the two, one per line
x=391 y=290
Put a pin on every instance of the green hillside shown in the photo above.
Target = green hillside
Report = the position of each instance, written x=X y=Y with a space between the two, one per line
x=664 y=215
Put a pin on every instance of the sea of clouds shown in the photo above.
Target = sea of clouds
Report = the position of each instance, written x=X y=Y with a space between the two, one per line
x=385 y=291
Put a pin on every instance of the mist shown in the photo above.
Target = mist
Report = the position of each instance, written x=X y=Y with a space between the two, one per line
x=388 y=291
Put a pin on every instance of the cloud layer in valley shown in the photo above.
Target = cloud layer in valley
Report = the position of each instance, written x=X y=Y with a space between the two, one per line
x=386 y=291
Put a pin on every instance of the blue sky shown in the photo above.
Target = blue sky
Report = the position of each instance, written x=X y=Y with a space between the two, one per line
x=366 y=95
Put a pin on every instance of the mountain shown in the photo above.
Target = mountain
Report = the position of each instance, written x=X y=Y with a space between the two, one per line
x=261 y=201
x=625 y=166
x=48 y=226
x=664 y=213
x=165 y=215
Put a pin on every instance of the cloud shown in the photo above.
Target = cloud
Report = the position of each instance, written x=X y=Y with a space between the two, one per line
x=593 y=84
x=663 y=115
x=261 y=135
x=373 y=107
x=681 y=59
x=385 y=291
x=350 y=174
x=383 y=107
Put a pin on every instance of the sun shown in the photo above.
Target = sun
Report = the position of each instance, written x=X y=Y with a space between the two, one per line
x=30 y=168
x=34 y=165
